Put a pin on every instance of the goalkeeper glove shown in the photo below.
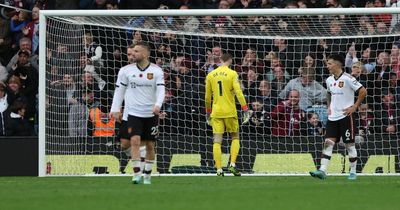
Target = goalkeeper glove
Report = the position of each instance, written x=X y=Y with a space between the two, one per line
x=246 y=116
x=208 y=119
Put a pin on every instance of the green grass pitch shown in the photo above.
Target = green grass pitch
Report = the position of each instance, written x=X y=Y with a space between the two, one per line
x=175 y=193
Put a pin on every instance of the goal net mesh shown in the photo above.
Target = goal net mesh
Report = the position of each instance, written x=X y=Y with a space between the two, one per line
x=272 y=55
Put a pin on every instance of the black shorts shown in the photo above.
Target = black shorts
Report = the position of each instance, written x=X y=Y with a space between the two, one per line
x=341 y=128
x=146 y=128
x=123 y=130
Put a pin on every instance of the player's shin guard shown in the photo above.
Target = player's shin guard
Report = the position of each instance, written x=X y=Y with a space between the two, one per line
x=352 y=152
x=217 y=155
x=235 y=146
x=326 y=154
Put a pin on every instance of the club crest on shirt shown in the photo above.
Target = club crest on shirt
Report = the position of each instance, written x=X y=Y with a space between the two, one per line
x=341 y=84
x=150 y=76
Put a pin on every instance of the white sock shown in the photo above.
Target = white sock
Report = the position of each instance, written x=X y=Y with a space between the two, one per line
x=142 y=164
x=136 y=167
x=142 y=157
x=147 y=168
x=233 y=164
x=324 y=164
x=327 y=152
x=353 y=167
x=352 y=151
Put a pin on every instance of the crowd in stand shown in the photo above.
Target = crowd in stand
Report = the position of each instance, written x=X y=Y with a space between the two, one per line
x=282 y=79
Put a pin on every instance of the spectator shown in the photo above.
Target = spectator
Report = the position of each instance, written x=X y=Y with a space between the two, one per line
x=171 y=80
x=93 y=50
x=171 y=116
x=274 y=66
x=103 y=125
x=381 y=74
x=359 y=72
x=169 y=47
x=313 y=126
x=111 y=4
x=154 y=40
x=61 y=59
x=166 y=22
x=333 y=4
x=31 y=30
x=394 y=25
x=366 y=57
x=394 y=86
x=65 y=88
x=5 y=40
x=24 y=44
x=78 y=119
x=333 y=46
x=29 y=83
x=251 y=83
x=137 y=37
x=310 y=62
x=250 y=61
x=287 y=116
x=394 y=60
x=385 y=18
x=365 y=120
x=265 y=95
x=4 y=103
x=60 y=98
x=366 y=25
x=183 y=67
x=191 y=23
x=260 y=121
x=311 y=92
x=387 y=114
x=212 y=59
x=280 y=80
x=287 y=54
x=17 y=23
x=3 y=73
x=14 y=89
x=16 y=124
x=381 y=28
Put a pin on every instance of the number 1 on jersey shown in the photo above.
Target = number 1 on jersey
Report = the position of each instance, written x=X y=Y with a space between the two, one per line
x=220 y=87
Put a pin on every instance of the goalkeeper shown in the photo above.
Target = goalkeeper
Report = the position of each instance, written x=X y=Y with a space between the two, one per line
x=222 y=85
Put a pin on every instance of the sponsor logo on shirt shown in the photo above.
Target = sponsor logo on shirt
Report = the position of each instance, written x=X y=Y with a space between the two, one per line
x=137 y=85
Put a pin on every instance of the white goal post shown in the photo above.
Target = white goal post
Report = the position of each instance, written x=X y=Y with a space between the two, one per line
x=187 y=140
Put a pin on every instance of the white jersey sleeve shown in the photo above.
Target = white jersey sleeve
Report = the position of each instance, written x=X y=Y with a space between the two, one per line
x=160 y=88
x=354 y=84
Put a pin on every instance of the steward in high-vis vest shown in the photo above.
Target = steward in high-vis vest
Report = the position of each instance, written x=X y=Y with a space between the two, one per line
x=102 y=124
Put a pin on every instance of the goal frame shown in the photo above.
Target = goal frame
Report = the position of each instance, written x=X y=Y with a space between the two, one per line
x=44 y=14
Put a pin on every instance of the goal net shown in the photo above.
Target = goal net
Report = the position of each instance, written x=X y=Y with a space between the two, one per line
x=274 y=51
